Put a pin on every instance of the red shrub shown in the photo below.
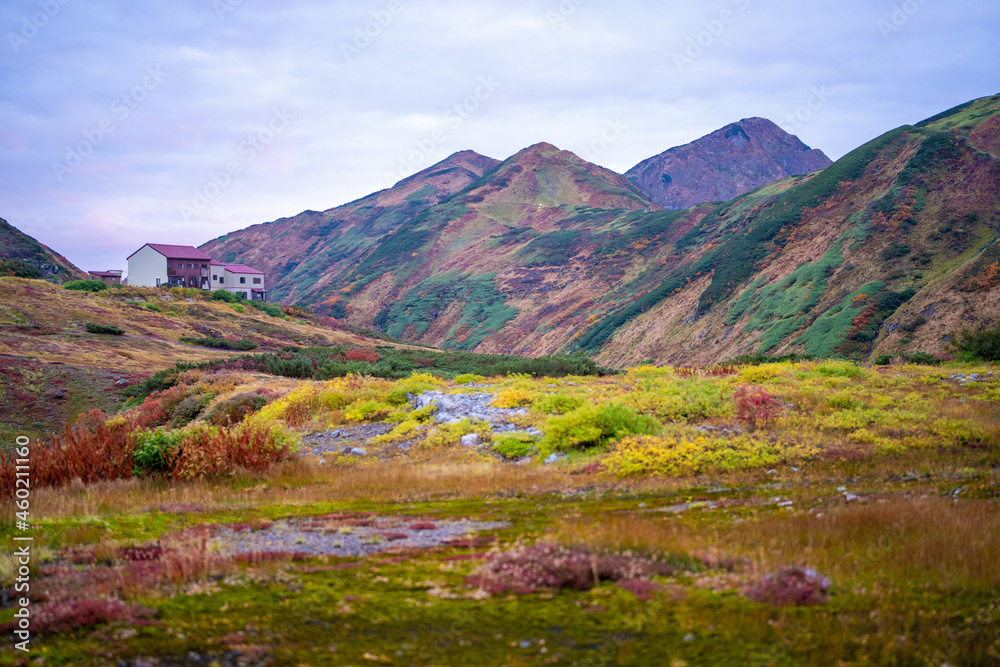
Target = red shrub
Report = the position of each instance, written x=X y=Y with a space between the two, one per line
x=423 y=525
x=78 y=613
x=392 y=537
x=642 y=590
x=546 y=565
x=754 y=406
x=358 y=354
x=790 y=586
x=214 y=452
x=89 y=450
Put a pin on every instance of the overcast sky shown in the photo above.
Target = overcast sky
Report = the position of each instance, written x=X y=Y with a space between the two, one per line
x=128 y=122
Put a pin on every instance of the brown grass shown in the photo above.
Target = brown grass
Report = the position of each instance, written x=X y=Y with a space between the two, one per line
x=934 y=540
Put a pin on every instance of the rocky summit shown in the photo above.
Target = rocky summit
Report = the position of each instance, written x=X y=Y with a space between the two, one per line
x=724 y=164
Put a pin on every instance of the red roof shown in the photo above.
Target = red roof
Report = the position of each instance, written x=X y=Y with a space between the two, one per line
x=106 y=274
x=177 y=252
x=241 y=268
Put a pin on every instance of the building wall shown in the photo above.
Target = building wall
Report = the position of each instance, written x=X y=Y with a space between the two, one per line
x=145 y=266
x=233 y=283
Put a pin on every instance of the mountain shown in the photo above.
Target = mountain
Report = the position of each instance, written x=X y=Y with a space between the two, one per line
x=891 y=249
x=724 y=164
x=494 y=265
x=18 y=249
x=301 y=255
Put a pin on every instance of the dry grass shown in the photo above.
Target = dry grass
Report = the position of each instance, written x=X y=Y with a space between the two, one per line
x=299 y=482
x=932 y=540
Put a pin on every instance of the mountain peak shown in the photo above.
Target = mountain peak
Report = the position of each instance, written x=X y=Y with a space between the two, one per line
x=723 y=164
x=545 y=175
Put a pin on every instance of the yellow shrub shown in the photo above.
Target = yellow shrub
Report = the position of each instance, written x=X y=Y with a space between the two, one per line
x=758 y=374
x=645 y=454
x=513 y=398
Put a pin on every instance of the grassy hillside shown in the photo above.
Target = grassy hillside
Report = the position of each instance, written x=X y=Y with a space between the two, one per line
x=54 y=368
x=808 y=513
x=23 y=256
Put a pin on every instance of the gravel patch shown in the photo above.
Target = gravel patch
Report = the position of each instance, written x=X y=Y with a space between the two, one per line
x=334 y=535
x=342 y=440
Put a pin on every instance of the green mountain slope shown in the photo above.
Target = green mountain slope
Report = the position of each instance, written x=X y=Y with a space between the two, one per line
x=892 y=248
x=19 y=253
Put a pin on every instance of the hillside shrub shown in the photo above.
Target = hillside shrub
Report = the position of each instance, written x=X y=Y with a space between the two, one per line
x=514 y=445
x=109 y=329
x=526 y=569
x=359 y=354
x=677 y=455
x=18 y=268
x=556 y=404
x=755 y=406
x=213 y=452
x=790 y=586
x=592 y=426
x=241 y=345
x=153 y=451
x=86 y=285
x=983 y=344
x=236 y=409
x=88 y=449
x=226 y=296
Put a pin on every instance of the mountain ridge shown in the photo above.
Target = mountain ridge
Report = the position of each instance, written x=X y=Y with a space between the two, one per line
x=544 y=253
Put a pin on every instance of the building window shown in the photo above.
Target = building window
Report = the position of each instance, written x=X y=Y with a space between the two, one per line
x=157 y=282
x=256 y=281
x=243 y=280
x=222 y=280
x=215 y=277
x=204 y=266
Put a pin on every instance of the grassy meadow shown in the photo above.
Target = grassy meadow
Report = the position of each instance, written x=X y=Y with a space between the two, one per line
x=795 y=513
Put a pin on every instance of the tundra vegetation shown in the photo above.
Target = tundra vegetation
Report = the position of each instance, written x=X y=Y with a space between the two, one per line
x=789 y=512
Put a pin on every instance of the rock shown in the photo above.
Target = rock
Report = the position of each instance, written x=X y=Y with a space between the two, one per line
x=470 y=440
x=357 y=451
x=552 y=458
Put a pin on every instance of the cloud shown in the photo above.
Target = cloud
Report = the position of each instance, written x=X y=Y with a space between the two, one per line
x=565 y=70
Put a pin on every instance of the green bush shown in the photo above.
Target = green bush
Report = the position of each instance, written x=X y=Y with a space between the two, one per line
x=237 y=408
x=983 y=344
x=221 y=343
x=188 y=410
x=556 y=404
x=19 y=268
x=86 y=285
x=223 y=295
x=152 y=451
x=514 y=445
x=153 y=307
x=591 y=426
x=103 y=329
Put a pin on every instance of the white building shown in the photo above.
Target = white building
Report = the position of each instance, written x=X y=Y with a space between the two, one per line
x=239 y=279
x=156 y=264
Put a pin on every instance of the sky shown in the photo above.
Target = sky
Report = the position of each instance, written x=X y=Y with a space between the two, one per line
x=124 y=123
